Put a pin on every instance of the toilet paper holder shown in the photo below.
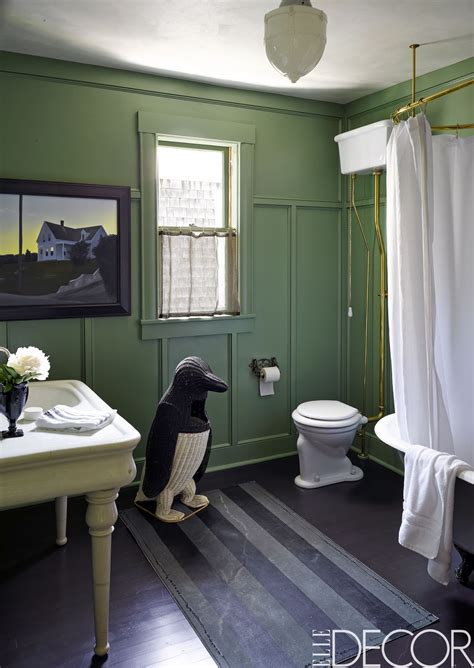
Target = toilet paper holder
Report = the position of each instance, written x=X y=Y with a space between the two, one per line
x=258 y=365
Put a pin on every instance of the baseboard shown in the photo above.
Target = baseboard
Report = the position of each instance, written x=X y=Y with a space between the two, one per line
x=384 y=455
x=242 y=454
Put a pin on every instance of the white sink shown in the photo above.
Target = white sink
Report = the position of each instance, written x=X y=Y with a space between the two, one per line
x=36 y=443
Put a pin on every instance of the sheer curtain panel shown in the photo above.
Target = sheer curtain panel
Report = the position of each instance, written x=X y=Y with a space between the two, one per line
x=198 y=273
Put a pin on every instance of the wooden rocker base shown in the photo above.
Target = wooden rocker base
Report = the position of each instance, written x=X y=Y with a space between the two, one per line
x=149 y=507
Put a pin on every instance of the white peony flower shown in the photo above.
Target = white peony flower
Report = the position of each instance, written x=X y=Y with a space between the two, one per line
x=30 y=362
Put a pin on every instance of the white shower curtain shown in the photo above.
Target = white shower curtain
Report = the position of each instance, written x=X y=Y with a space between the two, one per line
x=430 y=261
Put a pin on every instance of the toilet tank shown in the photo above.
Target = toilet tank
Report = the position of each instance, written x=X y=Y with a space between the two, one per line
x=363 y=150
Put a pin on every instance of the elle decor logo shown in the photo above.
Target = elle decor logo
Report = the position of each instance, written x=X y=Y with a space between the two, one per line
x=452 y=649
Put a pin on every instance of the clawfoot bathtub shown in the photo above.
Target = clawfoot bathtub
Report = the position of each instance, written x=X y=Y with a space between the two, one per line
x=387 y=431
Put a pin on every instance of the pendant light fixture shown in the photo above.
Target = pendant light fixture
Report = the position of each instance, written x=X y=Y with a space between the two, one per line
x=295 y=37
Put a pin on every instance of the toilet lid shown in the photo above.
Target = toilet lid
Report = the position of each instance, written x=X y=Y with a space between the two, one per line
x=327 y=410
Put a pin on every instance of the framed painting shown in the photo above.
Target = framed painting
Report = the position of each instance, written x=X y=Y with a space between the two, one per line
x=64 y=250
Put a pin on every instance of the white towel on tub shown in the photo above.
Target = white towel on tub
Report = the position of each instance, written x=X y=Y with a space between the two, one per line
x=428 y=504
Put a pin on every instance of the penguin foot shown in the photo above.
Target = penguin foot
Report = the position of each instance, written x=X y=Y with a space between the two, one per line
x=170 y=516
x=140 y=496
x=197 y=501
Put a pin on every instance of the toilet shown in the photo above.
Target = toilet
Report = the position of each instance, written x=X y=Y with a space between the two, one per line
x=326 y=430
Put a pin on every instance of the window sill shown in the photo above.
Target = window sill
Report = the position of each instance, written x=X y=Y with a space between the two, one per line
x=170 y=328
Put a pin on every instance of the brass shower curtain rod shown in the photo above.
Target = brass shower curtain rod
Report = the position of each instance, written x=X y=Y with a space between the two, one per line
x=414 y=104
x=395 y=116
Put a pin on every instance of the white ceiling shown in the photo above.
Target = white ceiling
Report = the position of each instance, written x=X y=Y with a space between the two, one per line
x=221 y=41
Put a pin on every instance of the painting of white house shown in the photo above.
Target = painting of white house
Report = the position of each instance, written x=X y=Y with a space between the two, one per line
x=57 y=250
x=56 y=241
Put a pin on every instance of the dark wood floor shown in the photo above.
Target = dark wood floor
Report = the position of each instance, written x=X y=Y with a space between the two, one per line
x=45 y=592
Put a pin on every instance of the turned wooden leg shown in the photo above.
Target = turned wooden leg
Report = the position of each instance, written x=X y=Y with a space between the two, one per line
x=101 y=516
x=465 y=568
x=61 y=520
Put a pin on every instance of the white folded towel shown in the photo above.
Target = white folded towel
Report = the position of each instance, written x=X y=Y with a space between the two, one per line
x=428 y=503
x=65 y=418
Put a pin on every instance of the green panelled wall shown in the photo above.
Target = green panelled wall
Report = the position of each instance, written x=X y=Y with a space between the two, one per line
x=455 y=108
x=77 y=123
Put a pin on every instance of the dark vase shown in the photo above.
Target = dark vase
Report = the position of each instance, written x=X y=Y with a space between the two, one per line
x=11 y=405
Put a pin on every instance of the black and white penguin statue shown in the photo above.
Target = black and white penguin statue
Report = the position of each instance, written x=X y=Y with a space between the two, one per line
x=179 y=442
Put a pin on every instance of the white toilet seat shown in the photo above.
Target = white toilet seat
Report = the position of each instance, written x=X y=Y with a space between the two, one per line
x=324 y=409
x=326 y=414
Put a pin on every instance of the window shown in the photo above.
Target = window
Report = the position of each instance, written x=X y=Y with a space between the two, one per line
x=197 y=226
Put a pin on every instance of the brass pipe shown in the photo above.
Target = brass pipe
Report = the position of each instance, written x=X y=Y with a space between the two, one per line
x=382 y=299
x=361 y=432
x=413 y=48
x=429 y=98
x=459 y=126
x=367 y=295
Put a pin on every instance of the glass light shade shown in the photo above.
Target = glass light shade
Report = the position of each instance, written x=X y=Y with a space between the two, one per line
x=295 y=37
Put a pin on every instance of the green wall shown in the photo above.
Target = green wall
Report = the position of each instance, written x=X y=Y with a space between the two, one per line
x=455 y=108
x=76 y=123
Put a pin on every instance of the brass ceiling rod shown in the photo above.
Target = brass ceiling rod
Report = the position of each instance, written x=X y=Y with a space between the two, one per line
x=414 y=104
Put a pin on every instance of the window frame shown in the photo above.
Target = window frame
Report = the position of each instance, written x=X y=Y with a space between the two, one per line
x=200 y=129
x=230 y=217
x=226 y=149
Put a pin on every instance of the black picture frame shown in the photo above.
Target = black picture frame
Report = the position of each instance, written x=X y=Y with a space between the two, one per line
x=106 y=275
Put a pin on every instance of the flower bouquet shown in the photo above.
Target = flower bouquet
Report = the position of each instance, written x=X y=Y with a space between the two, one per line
x=26 y=364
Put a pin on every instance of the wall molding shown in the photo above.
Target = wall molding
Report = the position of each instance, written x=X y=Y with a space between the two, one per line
x=196 y=127
x=372 y=438
x=233 y=370
x=340 y=294
x=263 y=439
x=292 y=222
x=60 y=71
x=365 y=202
x=139 y=461
x=3 y=334
x=174 y=328
x=400 y=92
x=263 y=200
x=88 y=351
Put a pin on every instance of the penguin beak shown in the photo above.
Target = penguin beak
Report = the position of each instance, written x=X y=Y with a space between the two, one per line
x=215 y=384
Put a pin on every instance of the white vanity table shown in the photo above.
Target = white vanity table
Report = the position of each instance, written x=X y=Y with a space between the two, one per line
x=45 y=465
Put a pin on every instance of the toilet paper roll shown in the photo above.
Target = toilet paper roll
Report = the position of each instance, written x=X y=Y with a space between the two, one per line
x=268 y=376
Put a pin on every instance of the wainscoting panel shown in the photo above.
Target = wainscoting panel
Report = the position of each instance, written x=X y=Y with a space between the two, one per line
x=62 y=340
x=317 y=295
x=267 y=416
x=215 y=350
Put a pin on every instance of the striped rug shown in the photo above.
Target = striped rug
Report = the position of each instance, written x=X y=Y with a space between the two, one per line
x=256 y=581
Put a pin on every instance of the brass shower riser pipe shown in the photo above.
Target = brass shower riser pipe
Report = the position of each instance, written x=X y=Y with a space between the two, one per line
x=382 y=301
x=382 y=298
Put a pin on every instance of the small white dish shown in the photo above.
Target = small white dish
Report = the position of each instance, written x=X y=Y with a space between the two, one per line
x=32 y=413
